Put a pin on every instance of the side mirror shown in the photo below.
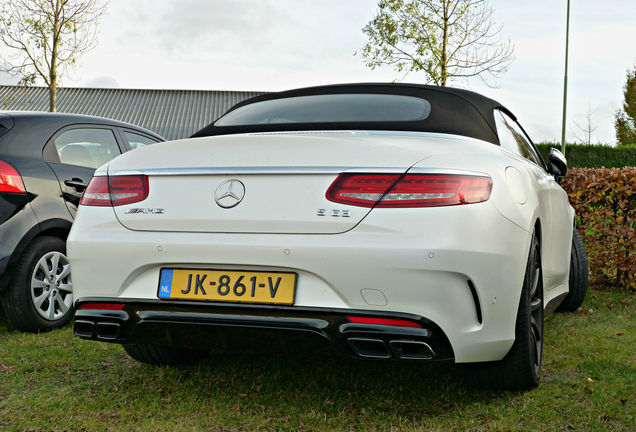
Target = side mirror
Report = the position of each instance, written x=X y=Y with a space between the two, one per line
x=557 y=164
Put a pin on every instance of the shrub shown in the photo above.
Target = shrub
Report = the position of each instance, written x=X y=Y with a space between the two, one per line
x=605 y=204
x=593 y=156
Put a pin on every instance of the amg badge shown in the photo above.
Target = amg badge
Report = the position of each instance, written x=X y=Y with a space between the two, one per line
x=144 y=211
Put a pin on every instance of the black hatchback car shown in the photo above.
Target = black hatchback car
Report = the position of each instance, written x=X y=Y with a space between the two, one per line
x=46 y=162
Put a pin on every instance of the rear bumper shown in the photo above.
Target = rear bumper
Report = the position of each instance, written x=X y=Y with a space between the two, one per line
x=256 y=328
x=464 y=277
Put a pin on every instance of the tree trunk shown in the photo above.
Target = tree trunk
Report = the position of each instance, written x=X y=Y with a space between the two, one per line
x=53 y=96
x=444 y=57
x=53 y=63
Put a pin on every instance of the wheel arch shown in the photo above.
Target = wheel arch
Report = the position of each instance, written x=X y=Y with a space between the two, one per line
x=59 y=228
x=538 y=232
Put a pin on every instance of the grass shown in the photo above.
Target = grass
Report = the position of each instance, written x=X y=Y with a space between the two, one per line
x=57 y=382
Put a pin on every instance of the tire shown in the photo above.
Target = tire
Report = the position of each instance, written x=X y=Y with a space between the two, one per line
x=39 y=297
x=521 y=368
x=579 y=276
x=165 y=356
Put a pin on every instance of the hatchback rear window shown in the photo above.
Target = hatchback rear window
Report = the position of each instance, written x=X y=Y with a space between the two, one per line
x=332 y=108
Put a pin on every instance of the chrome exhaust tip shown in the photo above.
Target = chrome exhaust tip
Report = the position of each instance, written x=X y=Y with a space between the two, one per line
x=107 y=331
x=84 y=328
x=412 y=350
x=369 y=348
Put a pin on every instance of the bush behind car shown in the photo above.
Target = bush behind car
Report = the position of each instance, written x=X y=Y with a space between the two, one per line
x=605 y=203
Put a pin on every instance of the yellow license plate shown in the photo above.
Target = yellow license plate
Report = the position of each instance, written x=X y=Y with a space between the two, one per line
x=224 y=285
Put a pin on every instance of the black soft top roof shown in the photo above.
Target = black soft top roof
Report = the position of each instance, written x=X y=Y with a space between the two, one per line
x=453 y=111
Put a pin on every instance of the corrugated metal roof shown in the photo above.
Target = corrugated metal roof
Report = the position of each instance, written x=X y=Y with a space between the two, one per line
x=172 y=114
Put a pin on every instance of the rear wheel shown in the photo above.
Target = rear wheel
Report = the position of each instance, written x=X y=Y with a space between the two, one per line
x=157 y=355
x=521 y=368
x=39 y=297
x=579 y=276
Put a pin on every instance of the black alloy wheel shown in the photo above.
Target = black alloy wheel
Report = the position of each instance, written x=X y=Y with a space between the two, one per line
x=520 y=369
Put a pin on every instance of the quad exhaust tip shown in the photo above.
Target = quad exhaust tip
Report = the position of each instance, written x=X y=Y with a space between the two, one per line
x=107 y=331
x=103 y=331
x=410 y=349
x=369 y=348
x=84 y=328
x=403 y=349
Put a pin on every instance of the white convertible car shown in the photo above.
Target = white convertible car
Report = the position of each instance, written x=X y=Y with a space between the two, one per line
x=393 y=221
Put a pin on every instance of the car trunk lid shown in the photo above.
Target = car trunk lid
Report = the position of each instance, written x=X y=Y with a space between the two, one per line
x=260 y=183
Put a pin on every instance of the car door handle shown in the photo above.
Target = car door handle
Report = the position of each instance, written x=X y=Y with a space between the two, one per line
x=77 y=184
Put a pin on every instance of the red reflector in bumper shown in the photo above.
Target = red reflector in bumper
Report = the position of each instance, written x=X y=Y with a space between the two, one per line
x=382 y=321
x=103 y=306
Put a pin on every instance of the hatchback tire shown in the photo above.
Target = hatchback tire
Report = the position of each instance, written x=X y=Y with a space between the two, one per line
x=39 y=297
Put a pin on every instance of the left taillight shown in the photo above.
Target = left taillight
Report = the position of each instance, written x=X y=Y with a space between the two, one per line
x=112 y=191
x=10 y=180
x=410 y=190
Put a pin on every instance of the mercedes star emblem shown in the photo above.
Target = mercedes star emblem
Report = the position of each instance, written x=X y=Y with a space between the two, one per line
x=229 y=193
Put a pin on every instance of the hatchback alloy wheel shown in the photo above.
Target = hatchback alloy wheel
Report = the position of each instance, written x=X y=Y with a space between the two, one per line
x=40 y=295
x=51 y=286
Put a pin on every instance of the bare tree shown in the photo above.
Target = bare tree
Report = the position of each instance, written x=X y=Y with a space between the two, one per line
x=47 y=37
x=589 y=127
x=446 y=39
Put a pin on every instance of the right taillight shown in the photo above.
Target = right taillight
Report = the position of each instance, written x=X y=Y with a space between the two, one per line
x=10 y=180
x=410 y=190
x=115 y=191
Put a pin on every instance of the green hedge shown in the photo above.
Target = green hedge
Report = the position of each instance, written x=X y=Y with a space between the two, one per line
x=593 y=156
x=606 y=214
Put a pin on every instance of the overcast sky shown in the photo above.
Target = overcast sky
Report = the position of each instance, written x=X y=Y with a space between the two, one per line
x=272 y=45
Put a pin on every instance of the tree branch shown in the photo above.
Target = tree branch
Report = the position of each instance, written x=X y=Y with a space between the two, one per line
x=457 y=39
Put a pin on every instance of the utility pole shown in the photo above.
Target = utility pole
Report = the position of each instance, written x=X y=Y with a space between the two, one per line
x=565 y=80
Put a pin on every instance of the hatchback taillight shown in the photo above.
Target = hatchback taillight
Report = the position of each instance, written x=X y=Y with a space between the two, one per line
x=410 y=190
x=10 y=180
x=115 y=191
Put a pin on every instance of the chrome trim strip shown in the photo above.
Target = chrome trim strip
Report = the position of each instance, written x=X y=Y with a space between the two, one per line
x=310 y=132
x=446 y=171
x=255 y=171
x=232 y=171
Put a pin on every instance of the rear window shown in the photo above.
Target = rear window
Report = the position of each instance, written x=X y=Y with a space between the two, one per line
x=332 y=108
